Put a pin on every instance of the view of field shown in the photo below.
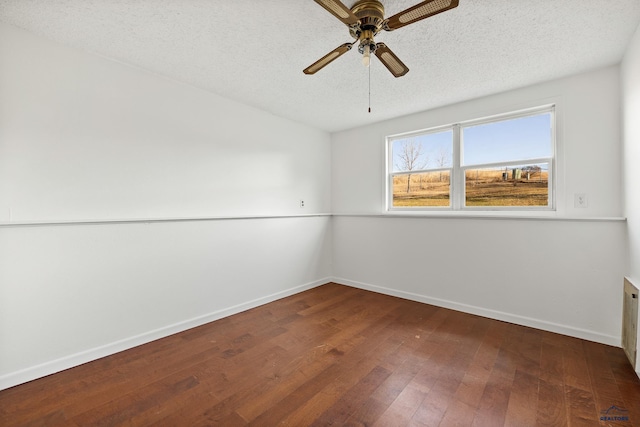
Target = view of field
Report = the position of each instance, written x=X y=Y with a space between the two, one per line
x=483 y=187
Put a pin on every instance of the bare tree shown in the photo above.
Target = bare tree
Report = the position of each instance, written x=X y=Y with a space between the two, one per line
x=530 y=171
x=411 y=158
x=443 y=159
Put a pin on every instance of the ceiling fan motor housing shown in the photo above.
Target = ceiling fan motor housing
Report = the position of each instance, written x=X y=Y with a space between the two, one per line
x=370 y=14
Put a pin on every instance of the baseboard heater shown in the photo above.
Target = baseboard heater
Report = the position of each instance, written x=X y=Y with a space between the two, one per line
x=630 y=321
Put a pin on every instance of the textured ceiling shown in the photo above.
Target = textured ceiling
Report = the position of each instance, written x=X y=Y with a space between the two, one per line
x=254 y=51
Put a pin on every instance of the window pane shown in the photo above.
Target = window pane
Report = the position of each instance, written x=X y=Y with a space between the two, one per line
x=421 y=189
x=426 y=151
x=525 y=185
x=507 y=140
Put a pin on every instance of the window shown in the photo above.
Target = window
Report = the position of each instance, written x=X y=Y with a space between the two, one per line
x=499 y=163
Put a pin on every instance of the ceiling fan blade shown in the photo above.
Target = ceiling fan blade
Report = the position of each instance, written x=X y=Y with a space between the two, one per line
x=325 y=60
x=390 y=60
x=339 y=10
x=418 y=12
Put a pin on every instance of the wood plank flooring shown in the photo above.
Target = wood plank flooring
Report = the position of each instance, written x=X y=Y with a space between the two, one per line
x=336 y=355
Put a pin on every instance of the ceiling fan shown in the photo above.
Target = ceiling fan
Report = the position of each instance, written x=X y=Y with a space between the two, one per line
x=365 y=20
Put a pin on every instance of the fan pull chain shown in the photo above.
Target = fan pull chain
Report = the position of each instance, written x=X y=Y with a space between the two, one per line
x=369 y=87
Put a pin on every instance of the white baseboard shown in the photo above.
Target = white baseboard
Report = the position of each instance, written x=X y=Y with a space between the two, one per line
x=491 y=314
x=19 y=377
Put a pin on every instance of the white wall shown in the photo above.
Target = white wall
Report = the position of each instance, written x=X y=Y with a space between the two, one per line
x=84 y=138
x=562 y=273
x=588 y=133
x=631 y=133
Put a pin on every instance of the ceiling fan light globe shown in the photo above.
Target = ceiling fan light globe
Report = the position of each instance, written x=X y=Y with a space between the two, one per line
x=366 y=56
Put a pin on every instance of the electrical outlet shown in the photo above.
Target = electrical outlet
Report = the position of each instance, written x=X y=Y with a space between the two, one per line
x=302 y=203
x=580 y=200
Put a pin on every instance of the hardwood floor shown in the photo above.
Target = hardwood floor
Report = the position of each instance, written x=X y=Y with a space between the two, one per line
x=335 y=355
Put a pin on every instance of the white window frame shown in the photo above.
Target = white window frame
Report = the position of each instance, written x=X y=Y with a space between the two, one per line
x=457 y=171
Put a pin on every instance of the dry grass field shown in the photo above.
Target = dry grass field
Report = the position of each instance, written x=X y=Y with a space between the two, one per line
x=482 y=188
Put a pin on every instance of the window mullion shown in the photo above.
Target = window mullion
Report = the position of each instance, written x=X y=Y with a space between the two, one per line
x=508 y=163
x=457 y=181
